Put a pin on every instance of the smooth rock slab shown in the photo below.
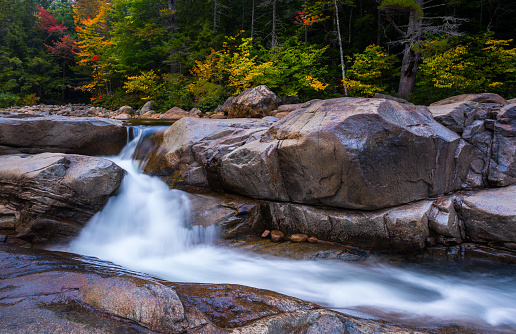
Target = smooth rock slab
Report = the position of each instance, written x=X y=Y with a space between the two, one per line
x=403 y=229
x=60 y=134
x=53 y=195
x=489 y=216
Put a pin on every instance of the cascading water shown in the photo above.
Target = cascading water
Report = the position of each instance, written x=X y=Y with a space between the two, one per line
x=146 y=228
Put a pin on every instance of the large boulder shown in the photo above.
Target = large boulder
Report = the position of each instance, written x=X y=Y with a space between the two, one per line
x=480 y=98
x=60 y=134
x=350 y=153
x=188 y=156
x=254 y=102
x=50 y=196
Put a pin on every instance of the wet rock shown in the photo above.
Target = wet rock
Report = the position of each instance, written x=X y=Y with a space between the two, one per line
x=177 y=113
x=47 y=293
x=281 y=114
x=148 y=114
x=298 y=238
x=226 y=106
x=88 y=136
x=125 y=110
x=400 y=229
x=392 y=98
x=502 y=168
x=189 y=155
x=254 y=102
x=265 y=234
x=489 y=216
x=455 y=116
x=480 y=98
x=277 y=236
x=51 y=195
x=313 y=240
x=232 y=216
x=444 y=221
x=147 y=107
x=375 y=143
x=123 y=116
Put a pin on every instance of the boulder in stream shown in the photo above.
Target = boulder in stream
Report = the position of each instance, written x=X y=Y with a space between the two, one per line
x=50 y=196
x=60 y=134
x=350 y=153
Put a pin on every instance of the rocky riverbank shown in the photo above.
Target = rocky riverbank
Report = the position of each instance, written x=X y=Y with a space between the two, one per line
x=370 y=174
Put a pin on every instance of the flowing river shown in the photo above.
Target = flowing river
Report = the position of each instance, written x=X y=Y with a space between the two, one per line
x=146 y=228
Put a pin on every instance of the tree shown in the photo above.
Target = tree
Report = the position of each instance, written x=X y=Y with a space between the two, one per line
x=95 y=55
x=371 y=71
x=477 y=64
x=417 y=28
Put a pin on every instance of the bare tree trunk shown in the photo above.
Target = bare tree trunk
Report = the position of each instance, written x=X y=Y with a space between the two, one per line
x=243 y=14
x=274 y=37
x=410 y=57
x=215 y=15
x=252 y=23
x=340 y=48
x=378 y=33
x=171 y=26
x=349 y=25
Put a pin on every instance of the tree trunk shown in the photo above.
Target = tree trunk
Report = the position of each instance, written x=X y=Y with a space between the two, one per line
x=410 y=57
x=215 y=15
x=252 y=23
x=274 y=37
x=340 y=48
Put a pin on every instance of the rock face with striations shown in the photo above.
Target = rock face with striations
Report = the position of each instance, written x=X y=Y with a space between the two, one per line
x=350 y=153
x=253 y=102
x=50 y=196
x=85 y=135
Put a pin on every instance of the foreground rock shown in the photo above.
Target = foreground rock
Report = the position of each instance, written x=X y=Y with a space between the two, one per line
x=253 y=102
x=50 y=196
x=45 y=293
x=88 y=136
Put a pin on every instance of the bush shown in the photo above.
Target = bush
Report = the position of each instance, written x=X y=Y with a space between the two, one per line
x=8 y=100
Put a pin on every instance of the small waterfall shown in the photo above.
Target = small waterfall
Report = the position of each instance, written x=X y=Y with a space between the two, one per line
x=146 y=227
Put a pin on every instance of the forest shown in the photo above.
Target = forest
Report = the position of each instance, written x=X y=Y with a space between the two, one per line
x=189 y=53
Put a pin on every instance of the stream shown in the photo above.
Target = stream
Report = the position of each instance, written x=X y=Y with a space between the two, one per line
x=146 y=227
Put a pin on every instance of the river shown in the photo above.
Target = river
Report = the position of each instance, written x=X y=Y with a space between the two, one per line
x=146 y=227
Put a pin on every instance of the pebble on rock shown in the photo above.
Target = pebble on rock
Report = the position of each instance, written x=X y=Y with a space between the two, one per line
x=277 y=235
x=298 y=237
x=266 y=233
x=313 y=240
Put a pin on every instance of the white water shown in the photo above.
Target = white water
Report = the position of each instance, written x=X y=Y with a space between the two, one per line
x=145 y=228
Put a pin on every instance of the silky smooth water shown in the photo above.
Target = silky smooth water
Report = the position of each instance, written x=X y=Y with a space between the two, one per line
x=146 y=227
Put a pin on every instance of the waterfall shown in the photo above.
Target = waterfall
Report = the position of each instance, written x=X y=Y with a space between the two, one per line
x=146 y=227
